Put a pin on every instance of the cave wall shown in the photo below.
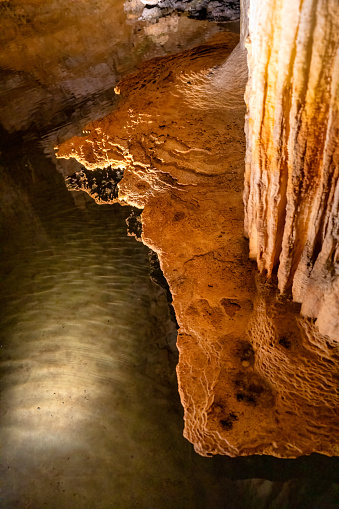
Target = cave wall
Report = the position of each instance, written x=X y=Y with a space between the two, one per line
x=55 y=53
x=292 y=157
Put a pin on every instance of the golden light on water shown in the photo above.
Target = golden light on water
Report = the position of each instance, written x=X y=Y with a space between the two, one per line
x=78 y=358
x=62 y=362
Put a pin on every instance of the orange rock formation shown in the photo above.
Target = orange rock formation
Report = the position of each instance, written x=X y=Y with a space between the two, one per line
x=254 y=376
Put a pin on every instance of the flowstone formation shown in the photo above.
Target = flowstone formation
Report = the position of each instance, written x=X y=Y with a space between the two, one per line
x=292 y=168
x=254 y=376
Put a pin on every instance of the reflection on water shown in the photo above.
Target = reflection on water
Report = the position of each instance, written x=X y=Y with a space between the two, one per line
x=81 y=336
x=90 y=411
x=90 y=415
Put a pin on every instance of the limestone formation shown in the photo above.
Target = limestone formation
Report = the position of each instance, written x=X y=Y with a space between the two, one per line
x=292 y=160
x=213 y=10
x=254 y=376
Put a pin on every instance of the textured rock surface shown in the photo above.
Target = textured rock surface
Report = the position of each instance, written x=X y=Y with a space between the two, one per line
x=213 y=10
x=292 y=170
x=101 y=185
x=254 y=377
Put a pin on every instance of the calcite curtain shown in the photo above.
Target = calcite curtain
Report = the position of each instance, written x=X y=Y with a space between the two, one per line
x=292 y=160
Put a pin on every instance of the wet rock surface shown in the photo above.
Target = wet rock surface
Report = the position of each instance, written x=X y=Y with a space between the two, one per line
x=178 y=132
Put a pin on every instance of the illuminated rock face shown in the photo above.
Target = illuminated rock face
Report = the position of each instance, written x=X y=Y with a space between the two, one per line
x=292 y=161
x=254 y=377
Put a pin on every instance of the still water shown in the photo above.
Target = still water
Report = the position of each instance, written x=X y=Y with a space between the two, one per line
x=90 y=413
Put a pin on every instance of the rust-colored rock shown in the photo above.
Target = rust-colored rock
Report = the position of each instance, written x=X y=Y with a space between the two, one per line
x=254 y=377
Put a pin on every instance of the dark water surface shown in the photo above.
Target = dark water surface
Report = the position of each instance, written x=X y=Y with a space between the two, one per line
x=90 y=413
